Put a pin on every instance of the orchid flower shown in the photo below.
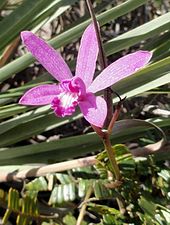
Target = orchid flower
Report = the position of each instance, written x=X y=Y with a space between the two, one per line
x=78 y=89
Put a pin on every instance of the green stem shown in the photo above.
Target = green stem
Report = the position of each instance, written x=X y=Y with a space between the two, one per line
x=114 y=118
x=103 y=64
x=111 y=118
x=105 y=136
x=102 y=57
x=111 y=155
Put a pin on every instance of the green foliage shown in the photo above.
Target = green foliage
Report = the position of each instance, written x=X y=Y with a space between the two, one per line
x=153 y=212
x=136 y=190
x=38 y=184
x=56 y=198
x=110 y=215
x=25 y=207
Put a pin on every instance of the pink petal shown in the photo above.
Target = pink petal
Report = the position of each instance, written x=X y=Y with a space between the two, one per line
x=87 y=55
x=94 y=109
x=40 y=95
x=120 y=69
x=47 y=56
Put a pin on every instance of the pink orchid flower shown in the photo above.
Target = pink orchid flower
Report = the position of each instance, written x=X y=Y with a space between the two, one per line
x=78 y=89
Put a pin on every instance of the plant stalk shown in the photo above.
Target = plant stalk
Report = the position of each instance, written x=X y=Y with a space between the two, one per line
x=111 y=155
x=105 y=136
x=114 y=117
x=103 y=64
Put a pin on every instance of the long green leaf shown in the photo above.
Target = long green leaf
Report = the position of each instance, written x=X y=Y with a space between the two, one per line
x=53 y=10
x=138 y=34
x=25 y=117
x=11 y=110
x=11 y=25
x=146 y=79
x=42 y=123
x=68 y=36
x=75 y=146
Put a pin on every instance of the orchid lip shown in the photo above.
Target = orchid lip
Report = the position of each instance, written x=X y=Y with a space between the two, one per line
x=71 y=92
x=64 y=104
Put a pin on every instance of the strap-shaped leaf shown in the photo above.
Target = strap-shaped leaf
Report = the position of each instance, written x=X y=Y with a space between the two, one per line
x=76 y=146
x=146 y=79
x=68 y=36
x=19 y=19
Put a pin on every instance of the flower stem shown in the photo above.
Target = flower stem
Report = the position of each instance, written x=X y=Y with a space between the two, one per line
x=105 y=136
x=114 y=117
x=103 y=64
x=102 y=57
x=111 y=118
x=111 y=155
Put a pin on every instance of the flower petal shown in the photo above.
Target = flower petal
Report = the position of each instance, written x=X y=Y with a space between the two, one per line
x=87 y=55
x=40 y=95
x=120 y=69
x=94 y=109
x=47 y=56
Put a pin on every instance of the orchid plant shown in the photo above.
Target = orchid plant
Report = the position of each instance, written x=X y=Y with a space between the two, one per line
x=79 y=89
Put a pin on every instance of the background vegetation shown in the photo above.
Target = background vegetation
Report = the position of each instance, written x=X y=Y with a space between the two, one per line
x=79 y=192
